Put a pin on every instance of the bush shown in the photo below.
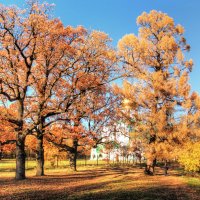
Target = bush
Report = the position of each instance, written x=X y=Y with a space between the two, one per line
x=189 y=157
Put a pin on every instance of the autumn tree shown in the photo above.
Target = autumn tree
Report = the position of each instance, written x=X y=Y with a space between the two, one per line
x=46 y=70
x=69 y=73
x=54 y=63
x=84 y=129
x=20 y=33
x=157 y=91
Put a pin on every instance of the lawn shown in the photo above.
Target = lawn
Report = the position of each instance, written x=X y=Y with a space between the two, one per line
x=92 y=182
x=7 y=166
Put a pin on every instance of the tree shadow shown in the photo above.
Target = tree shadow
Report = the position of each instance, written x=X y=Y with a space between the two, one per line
x=78 y=192
x=154 y=193
x=82 y=185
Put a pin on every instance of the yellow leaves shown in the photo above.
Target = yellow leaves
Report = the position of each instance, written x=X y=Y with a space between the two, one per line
x=176 y=71
x=183 y=86
x=155 y=62
x=99 y=37
x=161 y=123
x=128 y=43
x=179 y=29
x=155 y=18
x=126 y=104
x=180 y=56
x=197 y=101
x=189 y=64
x=157 y=80
x=189 y=156
x=187 y=104
x=193 y=96
x=154 y=22
x=167 y=43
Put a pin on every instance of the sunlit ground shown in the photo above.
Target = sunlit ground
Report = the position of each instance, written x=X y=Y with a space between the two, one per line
x=99 y=182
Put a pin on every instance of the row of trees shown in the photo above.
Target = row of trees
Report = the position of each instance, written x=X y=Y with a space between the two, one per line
x=55 y=85
x=53 y=82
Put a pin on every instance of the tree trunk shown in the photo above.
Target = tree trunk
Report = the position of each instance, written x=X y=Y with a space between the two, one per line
x=73 y=155
x=97 y=159
x=20 y=158
x=85 y=160
x=166 y=168
x=57 y=161
x=140 y=160
x=117 y=158
x=40 y=156
x=1 y=152
x=154 y=165
x=148 y=167
x=72 y=160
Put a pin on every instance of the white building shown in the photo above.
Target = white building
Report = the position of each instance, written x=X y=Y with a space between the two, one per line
x=118 y=136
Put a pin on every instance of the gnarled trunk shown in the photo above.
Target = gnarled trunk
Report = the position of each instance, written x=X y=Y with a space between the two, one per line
x=20 y=158
x=40 y=156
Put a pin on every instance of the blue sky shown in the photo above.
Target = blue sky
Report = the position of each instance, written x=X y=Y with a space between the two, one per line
x=118 y=17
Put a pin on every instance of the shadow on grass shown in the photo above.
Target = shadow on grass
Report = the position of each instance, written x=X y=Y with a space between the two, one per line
x=154 y=193
x=82 y=185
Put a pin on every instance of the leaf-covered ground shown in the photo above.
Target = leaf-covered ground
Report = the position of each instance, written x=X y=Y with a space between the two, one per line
x=102 y=183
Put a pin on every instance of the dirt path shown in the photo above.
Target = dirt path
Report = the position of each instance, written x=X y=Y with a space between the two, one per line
x=100 y=184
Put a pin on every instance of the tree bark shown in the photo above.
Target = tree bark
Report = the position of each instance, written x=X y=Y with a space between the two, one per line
x=72 y=160
x=150 y=164
x=166 y=168
x=20 y=158
x=40 y=156
x=154 y=165
x=73 y=155
x=1 y=152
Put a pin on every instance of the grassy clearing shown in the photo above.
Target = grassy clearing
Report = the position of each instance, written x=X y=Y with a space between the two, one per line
x=101 y=183
x=7 y=166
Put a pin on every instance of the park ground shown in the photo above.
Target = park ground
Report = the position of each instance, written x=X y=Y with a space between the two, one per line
x=98 y=182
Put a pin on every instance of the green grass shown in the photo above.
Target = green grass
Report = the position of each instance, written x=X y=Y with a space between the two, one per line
x=9 y=164
x=194 y=183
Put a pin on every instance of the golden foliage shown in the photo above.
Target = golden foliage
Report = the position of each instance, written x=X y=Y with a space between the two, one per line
x=154 y=61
